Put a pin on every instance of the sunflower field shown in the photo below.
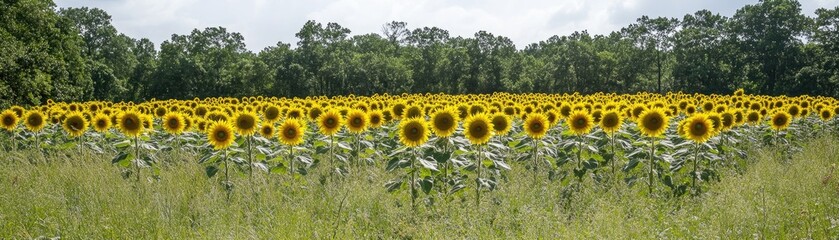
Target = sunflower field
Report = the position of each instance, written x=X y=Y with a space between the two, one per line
x=442 y=145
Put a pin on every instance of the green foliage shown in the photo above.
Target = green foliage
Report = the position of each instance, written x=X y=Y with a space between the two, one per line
x=769 y=47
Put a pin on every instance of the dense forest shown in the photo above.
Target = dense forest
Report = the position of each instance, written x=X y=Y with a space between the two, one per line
x=74 y=54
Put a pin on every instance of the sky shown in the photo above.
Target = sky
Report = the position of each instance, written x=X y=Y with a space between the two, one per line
x=265 y=22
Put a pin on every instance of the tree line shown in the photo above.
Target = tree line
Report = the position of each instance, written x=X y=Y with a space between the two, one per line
x=74 y=54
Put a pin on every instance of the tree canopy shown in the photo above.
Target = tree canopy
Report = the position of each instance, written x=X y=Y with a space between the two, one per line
x=73 y=54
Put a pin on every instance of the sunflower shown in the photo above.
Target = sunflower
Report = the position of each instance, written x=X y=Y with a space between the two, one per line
x=825 y=114
x=271 y=113
x=101 y=122
x=267 y=131
x=246 y=123
x=357 y=121
x=580 y=122
x=727 y=120
x=295 y=113
x=34 y=120
x=501 y=123
x=376 y=118
x=174 y=123
x=412 y=111
x=329 y=123
x=611 y=121
x=753 y=117
x=291 y=131
x=697 y=128
x=413 y=132
x=220 y=135
x=478 y=129
x=780 y=120
x=536 y=125
x=75 y=124
x=9 y=120
x=130 y=123
x=444 y=122
x=653 y=122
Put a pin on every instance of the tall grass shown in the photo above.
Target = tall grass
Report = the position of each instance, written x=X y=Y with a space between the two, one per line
x=84 y=196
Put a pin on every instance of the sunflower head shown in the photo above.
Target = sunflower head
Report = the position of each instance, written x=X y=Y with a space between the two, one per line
x=9 y=120
x=611 y=121
x=174 y=123
x=294 y=113
x=291 y=131
x=330 y=122
x=271 y=113
x=478 y=129
x=780 y=120
x=413 y=132
x=500 y=123
x=267 y=131
x=34 y=120
x=697 y=128
x=75 y=124
x=220 y=135
x=130 y=123
x=580 y=122
x=444 y=122
x=376 y=118
x=536 y=125
x=825 y=114
x=653 y=122
x=753 y=117
x=246 y=123
x=412 y=111
x=101 y=122
x=357 y=121
x=727 y=120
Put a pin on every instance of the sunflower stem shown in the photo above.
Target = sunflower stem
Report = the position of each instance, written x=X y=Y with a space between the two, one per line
x=291 y=160
x=579 y=152
x=478 y=179
x=331 y=153
x=612 y=161
x=250 y=162
x=652 y=161
x=535 y=160
x=413 y=180
x=137 y=158
x=695 y=163
x=226 y=175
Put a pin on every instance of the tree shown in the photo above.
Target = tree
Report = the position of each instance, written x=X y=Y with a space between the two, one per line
x=111 y=61
x=701 y=63
x=769 y=36
x=654 y=37
x=40 y=56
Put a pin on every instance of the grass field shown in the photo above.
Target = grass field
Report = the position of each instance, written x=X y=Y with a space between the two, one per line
x=74 y=196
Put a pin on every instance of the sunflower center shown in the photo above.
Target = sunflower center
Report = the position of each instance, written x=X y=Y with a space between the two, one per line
x=780 y=121
x=581 y=122
x=8 y=121
x=536 y=127
x=35 y=121
x=221 y=135
x=291 y=133
x=173 y=123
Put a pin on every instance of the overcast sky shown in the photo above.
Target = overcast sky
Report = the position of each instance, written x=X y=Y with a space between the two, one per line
x=265 y=22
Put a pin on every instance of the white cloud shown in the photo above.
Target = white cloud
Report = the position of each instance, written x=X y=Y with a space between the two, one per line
x=264 y=22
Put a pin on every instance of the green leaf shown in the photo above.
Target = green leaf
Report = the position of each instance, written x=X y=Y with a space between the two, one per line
x=631 y=165
x=123 y=159
x=590 y=164
x=393 y=185
x=426 y=184
x=211 y=171
x=428 y=164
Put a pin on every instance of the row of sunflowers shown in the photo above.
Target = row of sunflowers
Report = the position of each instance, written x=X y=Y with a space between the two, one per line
x=437 y=142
